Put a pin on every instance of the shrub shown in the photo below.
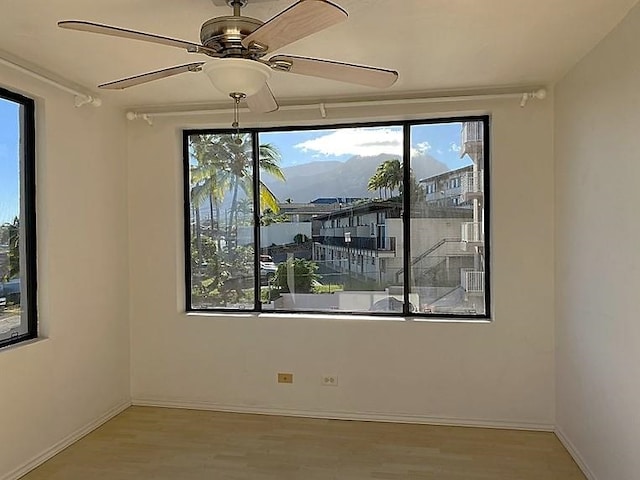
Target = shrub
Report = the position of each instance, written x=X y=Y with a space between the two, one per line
x=304 y=275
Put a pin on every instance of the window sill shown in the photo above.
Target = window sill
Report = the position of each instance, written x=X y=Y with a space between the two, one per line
x=334 y=317
x=26 y=343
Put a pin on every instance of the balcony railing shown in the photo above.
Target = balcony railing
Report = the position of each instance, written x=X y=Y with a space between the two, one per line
x=472 y=232
x=472 y=140
x=473 y=183
x=472 y=132
x=381 y=244
x=472 y=280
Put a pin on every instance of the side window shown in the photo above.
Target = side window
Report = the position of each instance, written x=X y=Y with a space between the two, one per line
x=18 y=317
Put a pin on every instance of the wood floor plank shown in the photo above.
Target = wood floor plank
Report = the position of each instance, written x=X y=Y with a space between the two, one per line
x=168 y=444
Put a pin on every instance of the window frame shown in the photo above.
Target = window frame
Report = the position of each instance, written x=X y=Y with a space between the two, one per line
x=27 y=215
x=406 y=156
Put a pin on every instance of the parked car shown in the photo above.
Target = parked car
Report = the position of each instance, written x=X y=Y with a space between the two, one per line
x=10 y=291
x=267 y=267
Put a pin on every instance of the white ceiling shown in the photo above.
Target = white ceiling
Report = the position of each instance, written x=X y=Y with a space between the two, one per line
x=435 y=45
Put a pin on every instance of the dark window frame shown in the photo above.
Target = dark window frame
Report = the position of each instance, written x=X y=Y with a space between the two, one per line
x=28 y=214
x=406 y=128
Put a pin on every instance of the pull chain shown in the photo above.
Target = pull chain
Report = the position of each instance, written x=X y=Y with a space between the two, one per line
x=237 y=96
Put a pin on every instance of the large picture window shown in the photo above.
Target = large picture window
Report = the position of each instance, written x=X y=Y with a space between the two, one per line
x=18 y=319
x=376 y=219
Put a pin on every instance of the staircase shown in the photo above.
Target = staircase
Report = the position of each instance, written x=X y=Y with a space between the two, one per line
x=432 y=257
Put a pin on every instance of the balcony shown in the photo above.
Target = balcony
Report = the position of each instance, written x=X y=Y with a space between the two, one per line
x=472 y=235
x=380 y=244
x=472 y=281
x=472 y=186
x=358 y=231
x=472 y=140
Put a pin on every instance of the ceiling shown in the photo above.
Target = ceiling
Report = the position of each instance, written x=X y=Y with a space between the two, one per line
x=436 y=45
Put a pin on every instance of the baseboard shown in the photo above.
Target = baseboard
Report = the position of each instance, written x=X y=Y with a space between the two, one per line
x=362 y=416
x=573 y=451
x=65 y=442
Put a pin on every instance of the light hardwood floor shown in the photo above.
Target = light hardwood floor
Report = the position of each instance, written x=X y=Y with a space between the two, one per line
x=161 y=444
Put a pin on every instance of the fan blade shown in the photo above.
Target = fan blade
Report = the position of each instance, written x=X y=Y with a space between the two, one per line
x=134 y=35
x=151 y=76
x=263 y=101
x=298 y=21
x=344 y=72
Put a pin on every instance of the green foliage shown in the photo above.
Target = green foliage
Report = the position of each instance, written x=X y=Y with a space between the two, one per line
x=304 y=275
x=387 y=177
x=269 y=217
x=300 y=238
x=10 y=233
x=329 y=288
x=222 y=277
x=417 y=191
x=269 y=294
x=221 y=166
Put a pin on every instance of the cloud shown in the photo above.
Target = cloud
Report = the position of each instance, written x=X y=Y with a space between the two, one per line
x=454 y=147
x=366 y=142
x=423 y=147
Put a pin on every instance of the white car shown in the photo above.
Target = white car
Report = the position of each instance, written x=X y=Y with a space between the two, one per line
x=267 y=267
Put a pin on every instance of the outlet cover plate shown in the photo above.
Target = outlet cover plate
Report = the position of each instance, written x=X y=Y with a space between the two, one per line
x=329 y=380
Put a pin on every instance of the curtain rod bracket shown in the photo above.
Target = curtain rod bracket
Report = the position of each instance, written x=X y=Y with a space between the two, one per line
x=81 y=100
x=323 y=110
x=539 y=94
x=140 y=116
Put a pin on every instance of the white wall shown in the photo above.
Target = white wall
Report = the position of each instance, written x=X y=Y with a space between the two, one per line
x=52 y=388
x=597 y=145
x=498 y=373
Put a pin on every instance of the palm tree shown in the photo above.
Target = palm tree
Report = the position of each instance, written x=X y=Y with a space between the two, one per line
x=393 y=174
x=239 y=156
x=207 y=182
x=388 y=176
x=375 y=182
x=226 y=164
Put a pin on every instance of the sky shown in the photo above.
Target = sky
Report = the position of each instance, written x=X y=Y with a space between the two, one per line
x=9 y=145
x=441 y=141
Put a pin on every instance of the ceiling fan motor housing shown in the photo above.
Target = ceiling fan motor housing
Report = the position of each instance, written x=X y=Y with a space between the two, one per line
x=225 y=34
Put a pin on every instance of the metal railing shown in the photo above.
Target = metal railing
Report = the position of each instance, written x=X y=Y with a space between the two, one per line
x=472 y=280
x=381 y=244
x=472 y=232
x=429 y=253
x=472 y=132
x=473 y=182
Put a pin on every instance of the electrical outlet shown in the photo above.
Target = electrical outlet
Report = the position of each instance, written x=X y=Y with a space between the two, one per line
x=329 y=380
x=285 y=377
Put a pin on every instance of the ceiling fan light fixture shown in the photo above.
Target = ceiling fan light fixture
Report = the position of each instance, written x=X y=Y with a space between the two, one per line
x=231 y=75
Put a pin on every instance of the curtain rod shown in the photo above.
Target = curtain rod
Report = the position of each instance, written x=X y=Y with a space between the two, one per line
x=81 y=98
x=539 y=94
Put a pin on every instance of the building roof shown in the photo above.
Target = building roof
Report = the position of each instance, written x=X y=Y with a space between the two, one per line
x=394 y=210
x=447 y=174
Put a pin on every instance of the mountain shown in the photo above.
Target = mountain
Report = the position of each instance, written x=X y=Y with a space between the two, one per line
x=341 y=179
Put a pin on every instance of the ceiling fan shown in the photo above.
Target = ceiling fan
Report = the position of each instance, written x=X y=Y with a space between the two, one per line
x=238 y=44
